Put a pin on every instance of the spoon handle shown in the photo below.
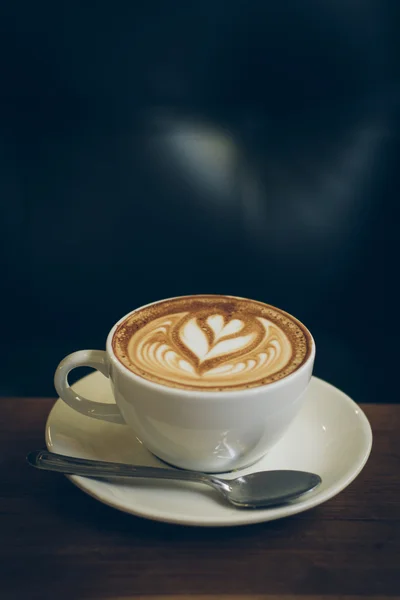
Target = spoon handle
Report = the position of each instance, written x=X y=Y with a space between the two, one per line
x=49 y=461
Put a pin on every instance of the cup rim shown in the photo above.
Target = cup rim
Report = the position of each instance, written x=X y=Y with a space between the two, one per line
x=229 y=393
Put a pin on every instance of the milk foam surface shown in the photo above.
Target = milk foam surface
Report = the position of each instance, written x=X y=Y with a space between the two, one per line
x=211 y=343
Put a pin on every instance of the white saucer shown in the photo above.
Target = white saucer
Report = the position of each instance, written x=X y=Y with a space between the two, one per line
x=331 y=436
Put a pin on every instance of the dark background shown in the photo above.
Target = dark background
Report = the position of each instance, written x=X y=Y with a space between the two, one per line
x=164 y=148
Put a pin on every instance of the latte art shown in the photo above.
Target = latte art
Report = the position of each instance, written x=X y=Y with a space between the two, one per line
x=210 y=342
x=207 y=348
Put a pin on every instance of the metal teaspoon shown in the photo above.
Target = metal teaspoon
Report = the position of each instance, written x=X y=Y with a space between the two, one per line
x=257 y=490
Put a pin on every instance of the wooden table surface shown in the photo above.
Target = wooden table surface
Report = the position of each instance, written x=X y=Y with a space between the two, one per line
x=58 y=543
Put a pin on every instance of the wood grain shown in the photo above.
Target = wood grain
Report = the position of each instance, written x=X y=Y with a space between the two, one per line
x=57 y=542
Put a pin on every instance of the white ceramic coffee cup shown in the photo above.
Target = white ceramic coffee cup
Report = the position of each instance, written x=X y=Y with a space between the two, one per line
x=207 y=431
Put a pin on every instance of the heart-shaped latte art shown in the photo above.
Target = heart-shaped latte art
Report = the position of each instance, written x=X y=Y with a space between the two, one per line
x=209 y=347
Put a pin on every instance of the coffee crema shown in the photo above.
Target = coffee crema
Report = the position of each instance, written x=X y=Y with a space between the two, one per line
x=211 y=343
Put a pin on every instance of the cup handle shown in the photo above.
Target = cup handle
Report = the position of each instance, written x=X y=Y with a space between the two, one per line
x=97 y=359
